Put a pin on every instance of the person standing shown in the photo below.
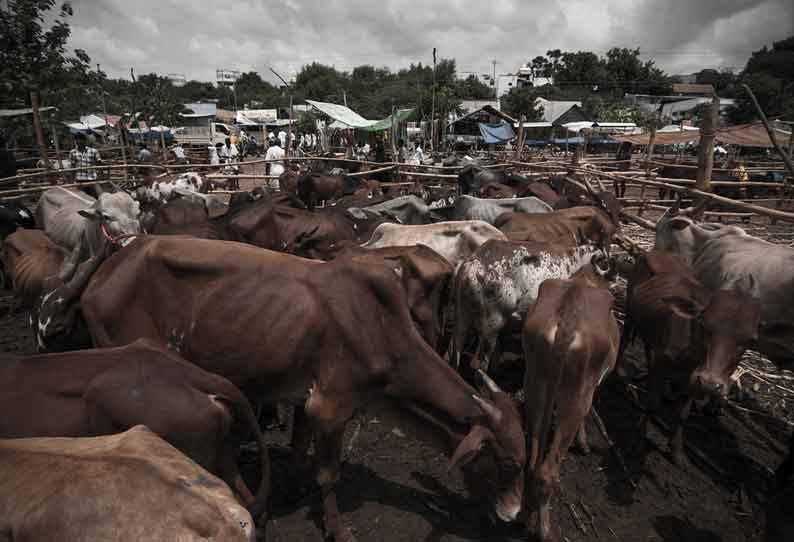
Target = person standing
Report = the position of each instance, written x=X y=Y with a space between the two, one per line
x=85 y=157
x=144 y=154
x=275 y=153
x=282 y=138
x=402 y=151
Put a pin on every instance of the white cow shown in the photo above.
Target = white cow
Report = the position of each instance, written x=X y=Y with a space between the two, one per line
x=455 y=241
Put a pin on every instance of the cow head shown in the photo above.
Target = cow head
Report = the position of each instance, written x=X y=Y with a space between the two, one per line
x=493 y=454
x=729 y=325
x=676 y=230
x=116 y=215
x=719 y=331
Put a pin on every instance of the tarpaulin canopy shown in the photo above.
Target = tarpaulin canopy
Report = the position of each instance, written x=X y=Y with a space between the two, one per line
x=744 y=135
x=386 y=124
x=346 y=118
x=253 y=117
x=343 y=114
x=496 y=133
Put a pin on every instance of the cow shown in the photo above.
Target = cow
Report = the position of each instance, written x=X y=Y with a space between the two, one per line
x=497 y=191
x=165 y=189
x=498 y=283
x=30 y=258
x=68 y=216
x=113 y=389
x=14 y=215
x=455 y=241
x=562 y=226
x=128 y=486
x=691 y=335
x=472 y=177
x=489 y=210
x=570 y=339
x=313 y=187
x=541 y=191
x=329 y=338
x=426 y=278
x=410 y=210
x=723 y=256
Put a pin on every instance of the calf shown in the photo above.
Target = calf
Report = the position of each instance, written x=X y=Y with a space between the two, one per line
x=129 y=486
x=691 y=336
x=571 y=341
x=454 y=240
x=499 y=282
x=113 y=389
x=328 y=338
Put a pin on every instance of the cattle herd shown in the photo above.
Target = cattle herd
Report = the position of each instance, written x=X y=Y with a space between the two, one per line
x=169 y=323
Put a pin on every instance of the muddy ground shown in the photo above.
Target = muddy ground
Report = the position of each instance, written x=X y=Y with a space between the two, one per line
x=396 y=489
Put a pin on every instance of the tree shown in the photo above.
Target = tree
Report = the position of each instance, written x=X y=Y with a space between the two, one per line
x=33 y=59
x=770 y=73
x=522 y=101
x=540 y=67
x=159 y=103
x=472 y=88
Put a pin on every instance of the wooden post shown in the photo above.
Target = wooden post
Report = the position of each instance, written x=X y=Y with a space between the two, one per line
x=520 y=146
x=34 y=105
x=791 y=143
x=706 y=150
x=162 y=144
x=393 y=135
x=55 y=142
x=289 y=133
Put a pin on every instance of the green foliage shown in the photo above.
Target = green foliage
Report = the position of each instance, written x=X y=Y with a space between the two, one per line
x=522 y=101
x=33 y=56
x=770 y=75
x=600 y=109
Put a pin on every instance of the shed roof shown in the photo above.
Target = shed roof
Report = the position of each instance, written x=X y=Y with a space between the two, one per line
x=692 y=88
x=552 y=110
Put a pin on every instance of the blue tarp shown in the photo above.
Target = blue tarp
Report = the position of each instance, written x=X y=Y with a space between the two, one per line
x=496 y=133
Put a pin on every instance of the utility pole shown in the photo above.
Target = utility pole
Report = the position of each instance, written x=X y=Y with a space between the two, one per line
x=433 y=106
x=104 y=105
x=495 y=95
x=289 y=126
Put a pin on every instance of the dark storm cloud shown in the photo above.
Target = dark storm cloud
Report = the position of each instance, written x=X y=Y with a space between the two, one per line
x=194 y=38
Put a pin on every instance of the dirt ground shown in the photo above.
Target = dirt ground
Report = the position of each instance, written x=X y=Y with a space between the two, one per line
x=395 y=489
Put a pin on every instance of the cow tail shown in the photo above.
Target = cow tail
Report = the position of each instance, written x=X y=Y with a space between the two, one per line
x=246 y=419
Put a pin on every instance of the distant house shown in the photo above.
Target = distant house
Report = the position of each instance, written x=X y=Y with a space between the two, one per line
x=469 y=106
x=676 y=107
x=466 y=129
x=560 y=112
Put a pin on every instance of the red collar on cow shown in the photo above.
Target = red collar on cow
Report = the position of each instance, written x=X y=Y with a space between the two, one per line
x=114 y=240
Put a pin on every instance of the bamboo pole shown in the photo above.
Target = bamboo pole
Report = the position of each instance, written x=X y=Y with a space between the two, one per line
x=706 y=149
x=34 y=106
x=786 y=158
x=520 y=146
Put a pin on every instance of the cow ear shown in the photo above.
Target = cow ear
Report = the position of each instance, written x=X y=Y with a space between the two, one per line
x=685 y=308
x=469 y=447
x=90 y=214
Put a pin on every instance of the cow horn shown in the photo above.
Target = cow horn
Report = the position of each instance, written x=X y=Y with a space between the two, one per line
x=492 y=412
x=489 y=381
x=673 y=211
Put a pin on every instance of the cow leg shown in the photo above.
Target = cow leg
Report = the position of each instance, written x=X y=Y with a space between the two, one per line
x=329 y=457
x=227 y=468
x=682 y=409
x=301 y=438
x=581 y=439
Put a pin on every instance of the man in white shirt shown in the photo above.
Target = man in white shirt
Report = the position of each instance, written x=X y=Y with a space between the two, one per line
x=418 y=155
x=274 y=152
x=282 y=138
x=213 y=153
x=84 y=157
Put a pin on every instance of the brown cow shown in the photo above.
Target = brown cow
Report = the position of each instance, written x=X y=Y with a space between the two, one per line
x=329 y=338
x=102 y=391
x=426 y=278
x=559 y=226
x=130 y=486
x=30 y=258
x=541 y=191
x=691 y=336
x=571 y=341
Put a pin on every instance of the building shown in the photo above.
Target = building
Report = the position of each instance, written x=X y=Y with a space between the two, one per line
x=466 y=129
x=676 y=107
x=469 y=106
x=560 y=112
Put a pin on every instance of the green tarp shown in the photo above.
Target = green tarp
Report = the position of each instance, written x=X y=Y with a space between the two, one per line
x=347 y=118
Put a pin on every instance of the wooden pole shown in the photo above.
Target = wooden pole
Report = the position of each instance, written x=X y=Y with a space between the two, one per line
x=648 y=156
x=706 y=149
x=34 y=105
x=791 y=144
x=57 y=145
x=786 y=158
x=433 y=106
x=289 y=133
x=517 y=155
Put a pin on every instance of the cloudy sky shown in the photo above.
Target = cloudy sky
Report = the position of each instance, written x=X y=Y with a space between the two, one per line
x=194 y=37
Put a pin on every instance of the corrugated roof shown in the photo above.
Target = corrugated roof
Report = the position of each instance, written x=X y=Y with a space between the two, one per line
x=467 y=106
x=200 y=109
x=693 y=88
x=552 y=110
x=342 y=114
